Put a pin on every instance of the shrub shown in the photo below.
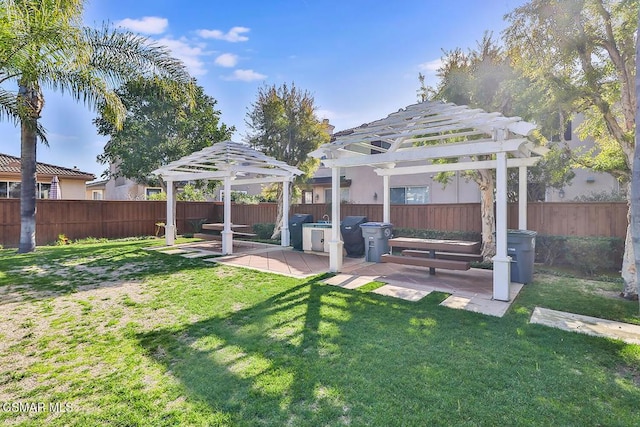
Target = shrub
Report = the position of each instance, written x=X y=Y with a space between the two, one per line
x=591 y=255
x=264 y=231
x=437 y=234
x=550 y=249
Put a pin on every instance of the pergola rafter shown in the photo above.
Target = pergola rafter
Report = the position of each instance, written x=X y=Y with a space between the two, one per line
x=408 y=141
x=235 y=164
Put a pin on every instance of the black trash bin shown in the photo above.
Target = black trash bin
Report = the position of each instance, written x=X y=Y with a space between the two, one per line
x=521 y=247
x=352 y=236
x=295 y=229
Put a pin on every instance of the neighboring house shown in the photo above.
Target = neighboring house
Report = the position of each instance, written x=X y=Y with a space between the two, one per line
x=72 y=180
x=361 y=185
x=96 y=190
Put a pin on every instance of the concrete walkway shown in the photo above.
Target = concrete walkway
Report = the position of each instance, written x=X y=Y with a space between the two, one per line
x=469 y=290
x=587 y=325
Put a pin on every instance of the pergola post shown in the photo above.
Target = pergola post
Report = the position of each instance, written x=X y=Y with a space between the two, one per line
x=386 y=199
x=522 y=197
x=501 y=262
x=227 y=234
x=335 y=245
x=284 y=230
x=170 y=226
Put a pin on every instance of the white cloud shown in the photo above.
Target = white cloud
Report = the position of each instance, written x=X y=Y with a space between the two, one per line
x=146 y=25
x=233 y=35
x=245 y=76
x=431 y=66
x=188 y=53
x=226 y=60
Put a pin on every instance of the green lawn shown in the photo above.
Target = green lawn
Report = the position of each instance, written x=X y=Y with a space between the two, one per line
x=111 y=334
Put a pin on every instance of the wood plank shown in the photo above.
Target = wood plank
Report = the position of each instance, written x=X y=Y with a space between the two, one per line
x=446 y=264
x=442 y=255
x=457 y=246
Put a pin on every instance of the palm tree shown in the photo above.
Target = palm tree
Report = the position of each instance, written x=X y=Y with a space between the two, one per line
x=43 y=44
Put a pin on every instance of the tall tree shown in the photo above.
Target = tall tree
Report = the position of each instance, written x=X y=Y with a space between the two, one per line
x=43 y=44
x=282 y=123
x=162 y=125
x=635 y=175
x=582 y=52
x=484 y=78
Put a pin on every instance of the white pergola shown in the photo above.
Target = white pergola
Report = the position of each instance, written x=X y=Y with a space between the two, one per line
x=408 y=142
x=235 y=164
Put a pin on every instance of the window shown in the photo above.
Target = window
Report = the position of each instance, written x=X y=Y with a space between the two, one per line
x=307 y=197
x=43 y=190
x=409 y=195
x=344 y=195
x=14 y=190
x=96 y=194
x=150 y=191
x=3 y=190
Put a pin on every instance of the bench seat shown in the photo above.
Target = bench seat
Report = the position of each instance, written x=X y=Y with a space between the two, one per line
x=443 y=255
x=447 y=264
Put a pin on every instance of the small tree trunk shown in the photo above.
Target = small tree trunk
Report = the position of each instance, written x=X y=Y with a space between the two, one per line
x=486 y=183
x=277 y=229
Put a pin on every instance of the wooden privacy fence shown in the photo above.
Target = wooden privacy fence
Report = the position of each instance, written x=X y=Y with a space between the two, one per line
x=104 y=218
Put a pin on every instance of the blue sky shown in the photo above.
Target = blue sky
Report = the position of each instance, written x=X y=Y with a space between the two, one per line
x=360 y=59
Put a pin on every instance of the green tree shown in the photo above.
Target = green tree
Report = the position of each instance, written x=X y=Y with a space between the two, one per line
x=282 y=124
x=484 y=78
x=162 y=125
x=582 y=52
x=43 y=44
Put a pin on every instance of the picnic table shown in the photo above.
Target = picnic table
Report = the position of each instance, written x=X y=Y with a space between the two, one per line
x=219 y=226
x=434 y=253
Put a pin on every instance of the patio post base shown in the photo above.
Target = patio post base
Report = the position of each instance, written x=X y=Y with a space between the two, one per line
x=501 y=278
x=335 y=255
x=170 y=234
x=227 y=242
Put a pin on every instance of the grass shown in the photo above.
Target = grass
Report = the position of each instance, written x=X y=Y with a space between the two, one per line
x=113 y=334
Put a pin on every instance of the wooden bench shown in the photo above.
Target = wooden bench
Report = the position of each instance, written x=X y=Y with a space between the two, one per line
x=447 y=264
x=443 y=255
x=218 y=236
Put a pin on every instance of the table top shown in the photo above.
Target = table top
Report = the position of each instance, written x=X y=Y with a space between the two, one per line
x=219 y=226
x=459 y=246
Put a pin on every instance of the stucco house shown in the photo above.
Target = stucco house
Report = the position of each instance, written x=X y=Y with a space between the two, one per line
x=72 y=180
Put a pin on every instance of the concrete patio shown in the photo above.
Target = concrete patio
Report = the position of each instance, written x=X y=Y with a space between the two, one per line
x=470 y=290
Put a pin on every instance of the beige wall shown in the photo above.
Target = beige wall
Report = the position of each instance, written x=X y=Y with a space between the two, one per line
x=72 y=189
x=366 y=185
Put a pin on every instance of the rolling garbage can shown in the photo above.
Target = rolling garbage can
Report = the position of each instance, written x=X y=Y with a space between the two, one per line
x=352 y=236
x=295 y=229
x=521 y=247
x=376 y=237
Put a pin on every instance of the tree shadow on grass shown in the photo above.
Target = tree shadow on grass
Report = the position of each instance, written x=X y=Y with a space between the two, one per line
x=320 y=355
x=282 y=361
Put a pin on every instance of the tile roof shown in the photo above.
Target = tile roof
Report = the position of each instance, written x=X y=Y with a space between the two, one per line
x=11 y=164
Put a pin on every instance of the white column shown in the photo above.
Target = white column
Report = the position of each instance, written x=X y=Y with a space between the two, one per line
x=386 y=199
x=335 y=245
x=227 y=234
x=284 y=231
x=170 y=226
x=522 y=198
x=501 y=262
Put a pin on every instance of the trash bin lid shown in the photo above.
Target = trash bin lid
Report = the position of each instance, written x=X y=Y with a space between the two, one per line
x=376 y=224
